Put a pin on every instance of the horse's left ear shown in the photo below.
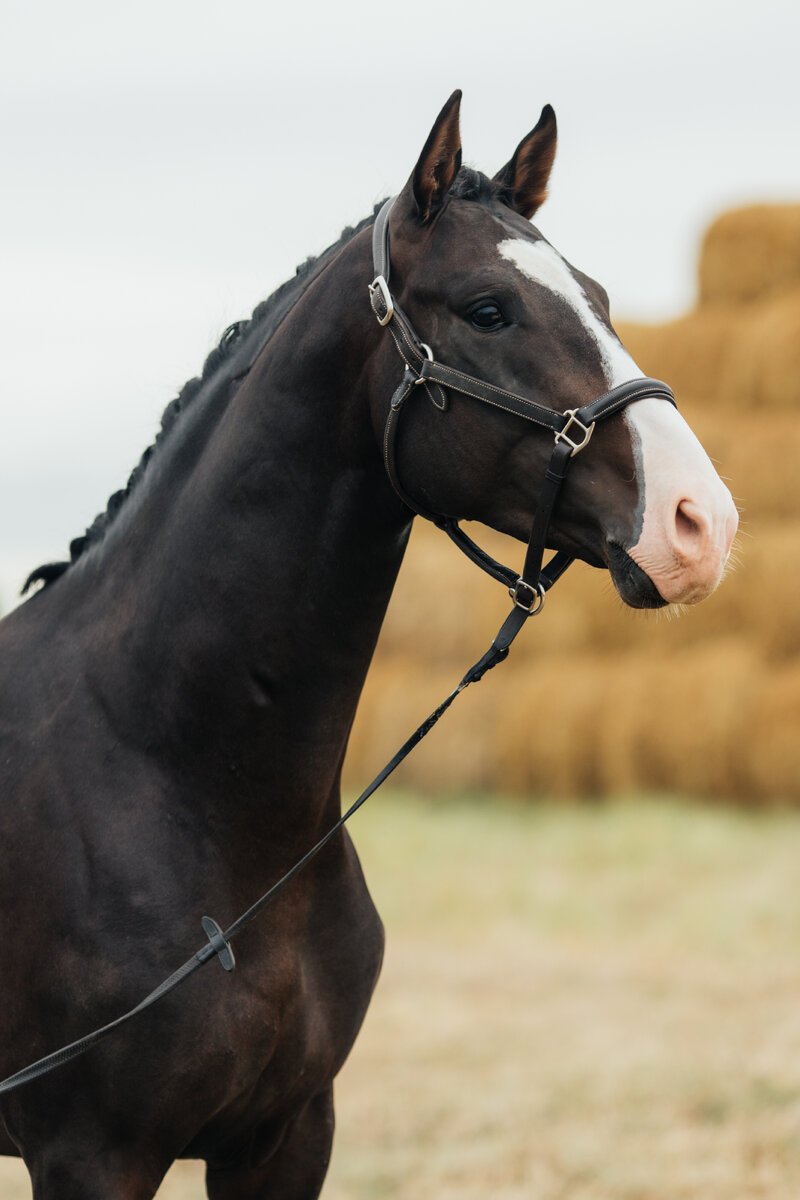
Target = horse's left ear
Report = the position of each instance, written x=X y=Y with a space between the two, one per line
x=439 y=162
x=524 y=179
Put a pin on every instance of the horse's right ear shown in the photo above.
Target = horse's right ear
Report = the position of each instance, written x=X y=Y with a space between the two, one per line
x=439 y=162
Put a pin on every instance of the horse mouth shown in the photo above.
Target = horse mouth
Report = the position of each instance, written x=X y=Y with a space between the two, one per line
x=634 y=586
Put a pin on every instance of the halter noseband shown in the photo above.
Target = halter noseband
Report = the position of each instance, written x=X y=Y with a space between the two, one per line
x=572 y=429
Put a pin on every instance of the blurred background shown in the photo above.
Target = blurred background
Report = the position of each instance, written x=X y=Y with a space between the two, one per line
x=630 y=966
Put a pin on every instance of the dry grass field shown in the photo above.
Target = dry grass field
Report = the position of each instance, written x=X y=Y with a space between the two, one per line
x=592 y=1003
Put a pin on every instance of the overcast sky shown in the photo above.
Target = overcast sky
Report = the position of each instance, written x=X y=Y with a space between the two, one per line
x=166 y=164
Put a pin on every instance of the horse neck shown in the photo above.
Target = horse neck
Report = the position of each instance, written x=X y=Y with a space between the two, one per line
x=241 y=600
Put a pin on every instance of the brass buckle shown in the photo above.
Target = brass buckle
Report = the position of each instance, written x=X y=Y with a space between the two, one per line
x=380 y=285
x=585 y=430
x=536 y=596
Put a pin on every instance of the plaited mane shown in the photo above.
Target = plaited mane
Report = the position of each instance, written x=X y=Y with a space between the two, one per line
x=238 y=348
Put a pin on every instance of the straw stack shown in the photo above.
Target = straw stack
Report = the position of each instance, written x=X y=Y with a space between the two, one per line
x=750 y=253
x=596 y=698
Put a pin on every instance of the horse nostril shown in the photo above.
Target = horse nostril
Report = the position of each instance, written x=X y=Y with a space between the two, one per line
x=686 y=523
x=691 y=528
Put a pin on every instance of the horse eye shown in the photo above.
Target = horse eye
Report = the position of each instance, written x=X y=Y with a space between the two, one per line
x=487 y=315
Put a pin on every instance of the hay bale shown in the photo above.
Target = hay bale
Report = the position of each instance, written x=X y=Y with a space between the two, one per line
x=548 y=743
x=679 y=723
x=763 y=367
x=693 y=722
x=749 y=253
x=459 y=754
x=743 y=448
x=740 y=358
x=690 y=353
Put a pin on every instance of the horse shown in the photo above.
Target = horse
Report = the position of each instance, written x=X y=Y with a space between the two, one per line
x=176 y=697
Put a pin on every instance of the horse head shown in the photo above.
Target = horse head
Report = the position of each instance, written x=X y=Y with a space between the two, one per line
x=493 y=298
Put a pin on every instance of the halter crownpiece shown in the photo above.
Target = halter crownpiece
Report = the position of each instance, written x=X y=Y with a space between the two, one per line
x=572 y=430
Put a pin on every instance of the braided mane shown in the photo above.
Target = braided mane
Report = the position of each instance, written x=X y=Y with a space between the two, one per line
x=242 y=341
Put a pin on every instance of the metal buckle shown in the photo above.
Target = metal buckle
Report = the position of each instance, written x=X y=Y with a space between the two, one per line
x=379 y=284
x=586 y=430
x=424 y=346
x=535 y=603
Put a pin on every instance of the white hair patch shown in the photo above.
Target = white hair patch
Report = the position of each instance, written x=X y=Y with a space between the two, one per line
x=542 y=264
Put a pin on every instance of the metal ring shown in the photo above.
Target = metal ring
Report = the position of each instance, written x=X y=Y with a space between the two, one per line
x=537 y=603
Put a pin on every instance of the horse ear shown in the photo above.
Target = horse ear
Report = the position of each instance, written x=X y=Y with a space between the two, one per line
x=439 y=162
x=524 y=179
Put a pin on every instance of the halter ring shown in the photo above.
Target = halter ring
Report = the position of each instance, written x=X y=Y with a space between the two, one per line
x=537 y=597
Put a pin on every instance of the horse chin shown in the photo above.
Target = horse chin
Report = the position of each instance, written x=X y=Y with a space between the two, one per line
x=634 y=586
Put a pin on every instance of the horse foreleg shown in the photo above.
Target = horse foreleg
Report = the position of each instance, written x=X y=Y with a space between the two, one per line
x=101 y=1176
x=296 y=1168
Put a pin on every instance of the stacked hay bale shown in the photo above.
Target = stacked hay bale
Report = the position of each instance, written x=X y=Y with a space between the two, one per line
x=598 y=699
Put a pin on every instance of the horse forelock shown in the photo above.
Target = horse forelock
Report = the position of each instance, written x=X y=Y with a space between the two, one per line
x=470 y=184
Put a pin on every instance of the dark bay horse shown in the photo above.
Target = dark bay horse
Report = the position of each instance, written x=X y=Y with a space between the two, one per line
x=175 y=701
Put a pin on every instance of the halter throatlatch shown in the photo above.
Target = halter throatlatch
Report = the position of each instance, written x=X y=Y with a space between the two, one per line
x=572 y=431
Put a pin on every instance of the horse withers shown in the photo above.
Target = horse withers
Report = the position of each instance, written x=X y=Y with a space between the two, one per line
x=176 y=699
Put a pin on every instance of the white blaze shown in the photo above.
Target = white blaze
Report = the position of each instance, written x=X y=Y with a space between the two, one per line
x=539 y=262
x=689 y=518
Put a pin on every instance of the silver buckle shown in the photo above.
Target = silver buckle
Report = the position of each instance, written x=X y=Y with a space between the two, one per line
x=379 y=284
x=585 y=430
x=537 y=597
x=429 y=354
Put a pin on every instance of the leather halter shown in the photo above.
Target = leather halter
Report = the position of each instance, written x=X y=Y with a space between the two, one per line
x=572 y=430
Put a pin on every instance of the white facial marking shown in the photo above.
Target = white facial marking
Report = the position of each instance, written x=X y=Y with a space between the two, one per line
x=542 y=264
x=688 y=520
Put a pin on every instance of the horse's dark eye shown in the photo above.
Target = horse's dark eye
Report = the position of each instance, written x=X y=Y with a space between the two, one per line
x=487 y=315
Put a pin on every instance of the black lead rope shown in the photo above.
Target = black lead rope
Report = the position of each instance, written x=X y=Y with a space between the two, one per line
x=218 y=943
x=572 y=431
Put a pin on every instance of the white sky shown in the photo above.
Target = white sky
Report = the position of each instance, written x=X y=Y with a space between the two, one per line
x=167 y=164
